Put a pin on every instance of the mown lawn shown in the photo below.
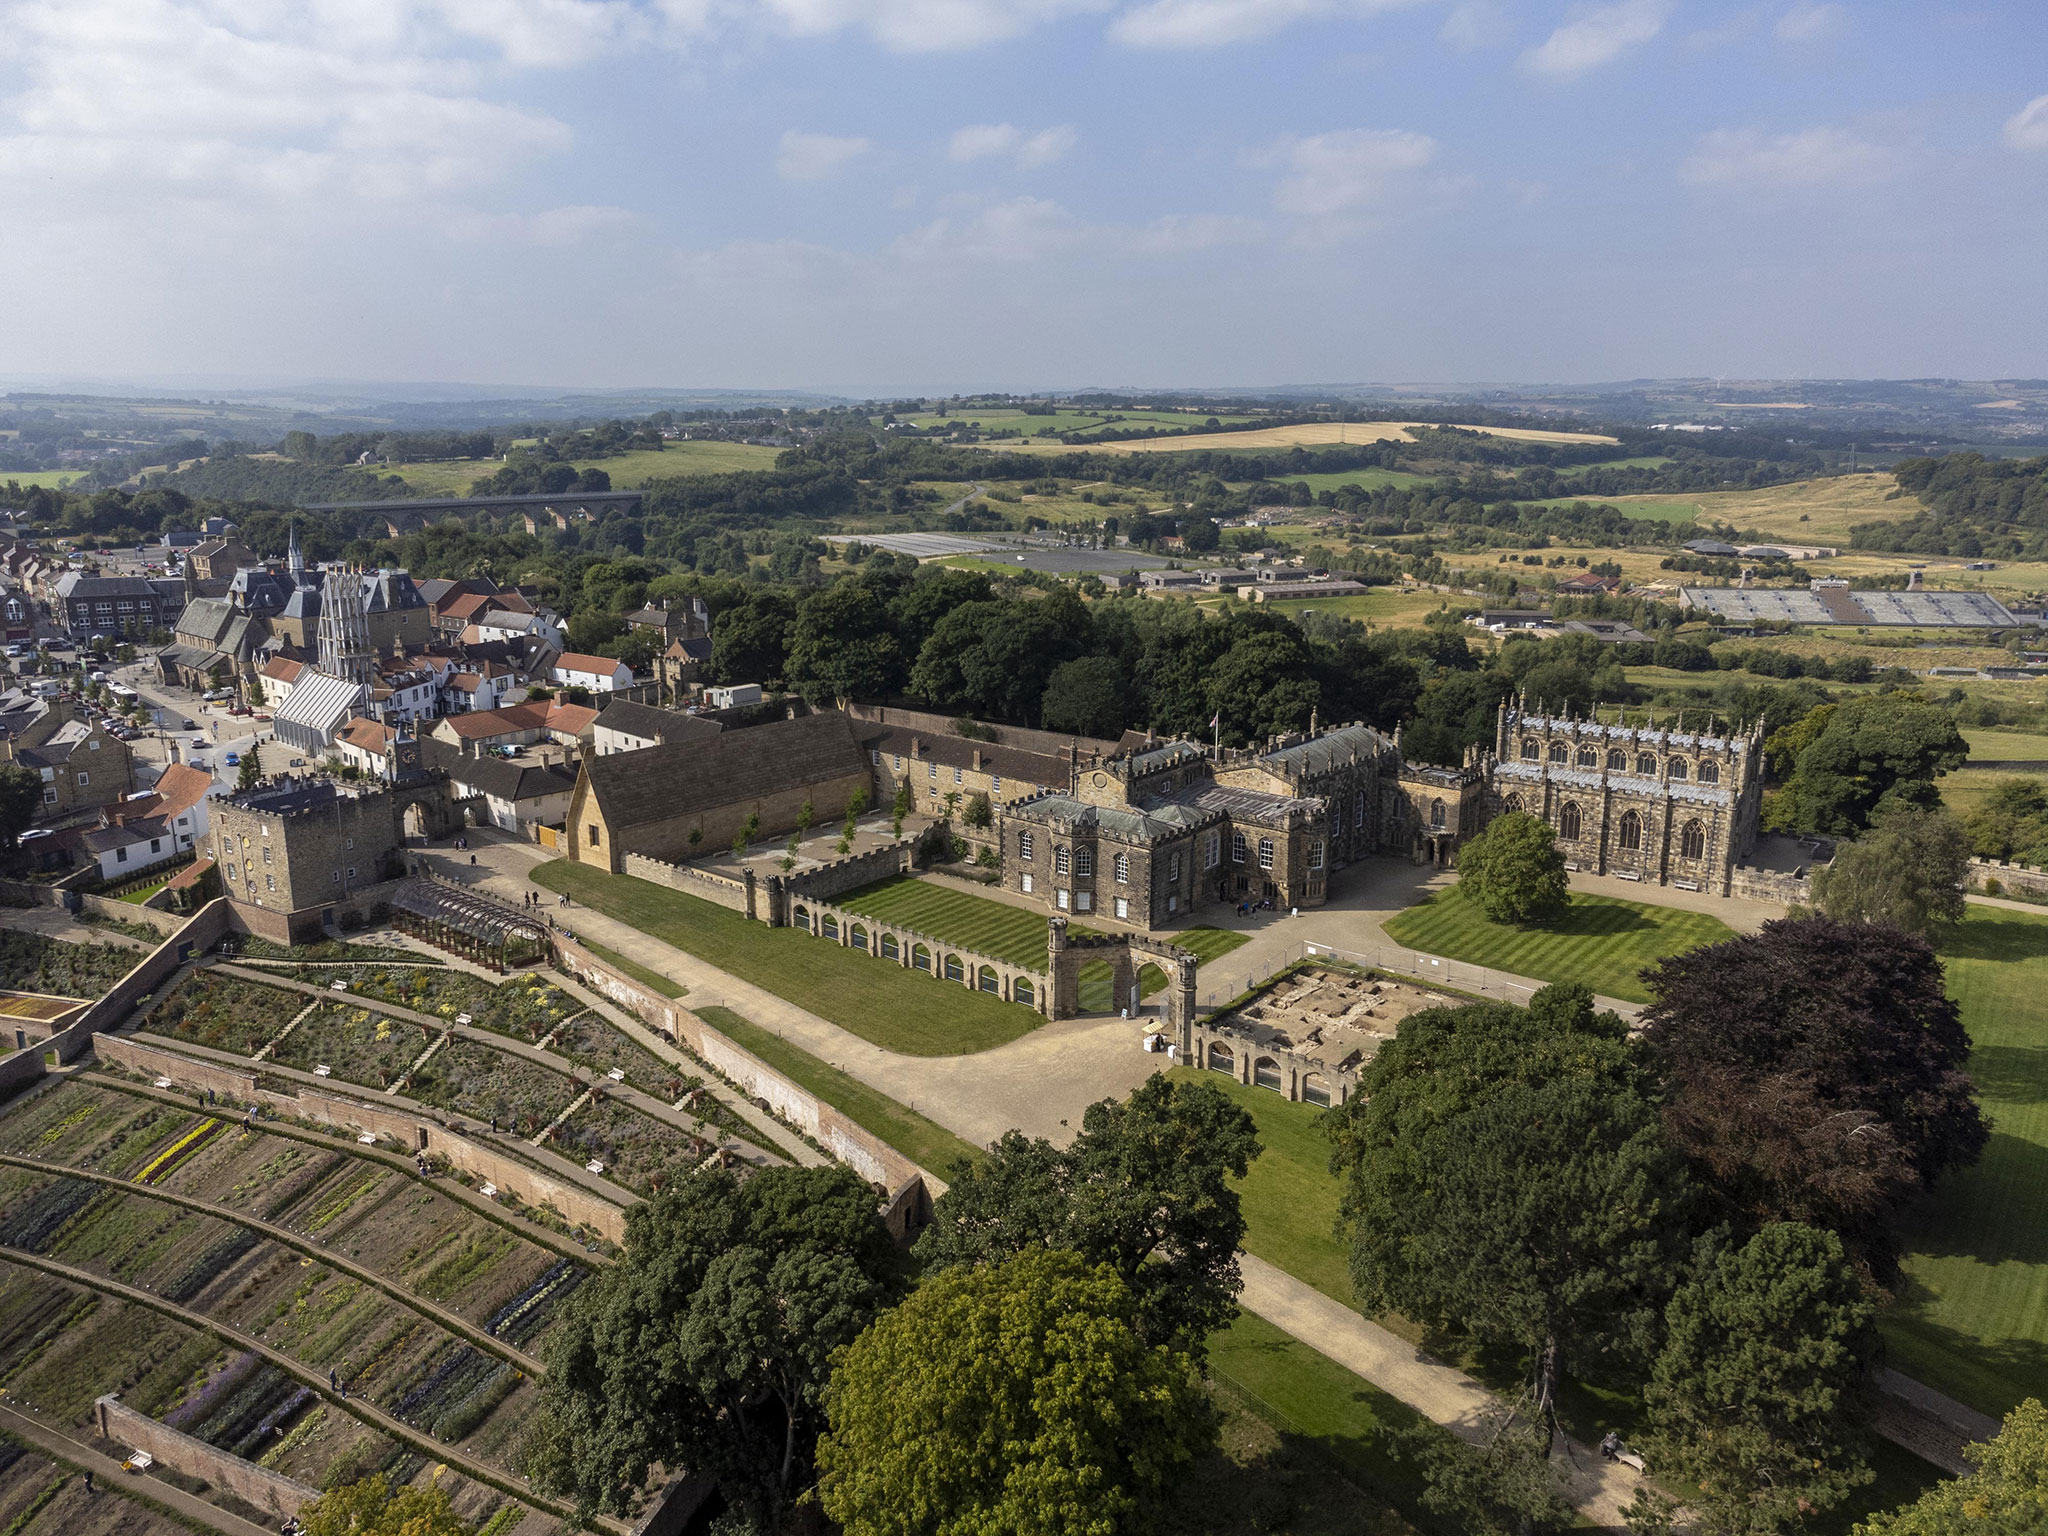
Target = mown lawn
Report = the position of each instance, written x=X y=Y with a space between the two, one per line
x=1602 y=941
x=1972 y=1319
x=1290 y=1196
x=897 y=1009
x=925 y=1142
x=654 y=981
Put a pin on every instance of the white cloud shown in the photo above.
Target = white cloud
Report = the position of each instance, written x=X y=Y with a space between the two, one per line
x=2028 y=127
x=920 y=26
x=1815 y=157
x=1215 y=23
x=1811 y=22
x=1347 y=173
x=1595 y=35
x=1024 y=229
x=986 y=141
x=1474 y=24
x=814 y=156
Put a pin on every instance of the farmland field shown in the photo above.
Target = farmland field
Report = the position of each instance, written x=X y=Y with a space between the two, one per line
x=1325 y=434
x=453 y=477
x=1602 y=941
x=2007 y=746
x=1389 y=606
x=49 y=479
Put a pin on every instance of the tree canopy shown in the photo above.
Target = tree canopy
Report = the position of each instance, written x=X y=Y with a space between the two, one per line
x=1514 y=871
x=1907 y=873
x=2007 y=1494
x=1872 y=751
x=1506 y=1175
x=1814 y=1071
x=372 y=1507
x=1014 y=1396
x=709 y=1343
x=1144 y=1189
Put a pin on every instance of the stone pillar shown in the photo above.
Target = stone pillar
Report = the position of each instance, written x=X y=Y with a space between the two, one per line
x=752 y=884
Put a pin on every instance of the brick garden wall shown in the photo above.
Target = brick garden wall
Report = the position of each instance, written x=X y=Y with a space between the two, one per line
x=266 y=1490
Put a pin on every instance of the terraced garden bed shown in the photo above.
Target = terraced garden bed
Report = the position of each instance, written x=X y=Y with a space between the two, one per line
x=526 y=1007
x=593 y=1041
x=472 y=1079
x=251 y=947
x=62 y=1345
x=30 y=962
x=354 y=1044
x=39 y=1497
x=224 y=1013
x=638 y=1151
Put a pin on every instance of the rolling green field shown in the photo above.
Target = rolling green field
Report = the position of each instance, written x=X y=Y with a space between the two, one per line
x=2008 y=746
x=453 y=477
x=1972 y=1318
x=49 y=479
x=1337 y=479
x=897 y=1009
x=925 y=1142
x=1602 y=941
x=1000 y=418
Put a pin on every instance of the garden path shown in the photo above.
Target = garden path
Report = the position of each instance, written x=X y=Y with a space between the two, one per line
x=314 y=1248
x=56 y=923
x=360 y=1408
x=116 y=1484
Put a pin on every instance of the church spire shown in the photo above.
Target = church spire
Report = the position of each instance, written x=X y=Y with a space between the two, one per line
x=294 y=558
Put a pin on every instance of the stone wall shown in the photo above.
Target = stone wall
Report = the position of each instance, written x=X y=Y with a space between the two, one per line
x=21 y=1068
x=304 y=926
x=259 y=1486
x=195 y=935
x=410 y=1129
x=1752 y=884
x=165 y=923
x=850 y=873
x=660 y=1013
x=722 y=889
x=2010 y=877
x=895 y=945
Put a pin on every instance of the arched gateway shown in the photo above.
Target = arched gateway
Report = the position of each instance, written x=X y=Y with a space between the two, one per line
x=1126 y=953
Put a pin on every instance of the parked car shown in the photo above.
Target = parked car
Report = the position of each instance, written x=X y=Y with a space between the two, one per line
x=234 y=759
x=187 y=725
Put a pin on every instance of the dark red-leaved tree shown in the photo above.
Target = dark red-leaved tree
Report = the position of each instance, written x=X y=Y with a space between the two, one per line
x=1814 y=1072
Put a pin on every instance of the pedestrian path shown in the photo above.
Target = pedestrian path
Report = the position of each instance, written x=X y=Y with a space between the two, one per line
x=113 y=1483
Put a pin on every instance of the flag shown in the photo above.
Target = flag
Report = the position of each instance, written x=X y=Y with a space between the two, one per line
x=1216 y=721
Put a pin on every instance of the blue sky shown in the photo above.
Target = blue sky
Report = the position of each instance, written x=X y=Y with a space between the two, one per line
x=933 y=195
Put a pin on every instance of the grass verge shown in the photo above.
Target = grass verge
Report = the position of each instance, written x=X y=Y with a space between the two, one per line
x=1602 y=941
x=654 y=981
x=925 y=1142
x=885 y=1004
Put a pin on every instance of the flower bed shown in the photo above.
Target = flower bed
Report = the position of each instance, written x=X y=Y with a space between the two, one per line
x=252 y=948
x=166 y=1162
x=35 y=1222
x=526 y=1007
x=225 y=1013
x=528 y=1314
x=593 y=1041
x=637 y=1150
x=472 y=1079
x=355 y=1045
x=64 y=1122
x=29 y=962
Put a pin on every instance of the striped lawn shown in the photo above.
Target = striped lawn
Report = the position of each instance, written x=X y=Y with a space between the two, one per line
x=1601 y=941
x=1972 y=1317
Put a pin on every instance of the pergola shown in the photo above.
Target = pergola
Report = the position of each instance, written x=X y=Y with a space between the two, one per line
x=466 y=923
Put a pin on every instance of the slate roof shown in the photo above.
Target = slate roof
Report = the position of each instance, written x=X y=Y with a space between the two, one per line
x=125 y=835
x=1051 y=770
x=662 y=725
x=686 y=778
x=1327 y=751
x=1123 y=824
x=513 y=779
x=78 y=584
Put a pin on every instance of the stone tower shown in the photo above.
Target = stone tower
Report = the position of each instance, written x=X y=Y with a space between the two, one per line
x=345 y=649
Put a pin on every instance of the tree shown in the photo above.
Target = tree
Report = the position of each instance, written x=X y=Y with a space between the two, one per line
x=901 y=807
x=709 y=1343
x=1514 y=871
x=1506 y=1485
x=746 y=835
x=1755 y=1396
x=250 y=774
x=841 y=645
x=21 y=797
x=1506 y=1175
x=1813 y=1072
x=1013 y=1397
x=1874 y=750
x=1144 y=1188
x=372 y=1507
x=2007 y=1495
x=2012 y=822
x=978 y=814
x=1085 y=697
x=1908 y=873
x=1264 y=685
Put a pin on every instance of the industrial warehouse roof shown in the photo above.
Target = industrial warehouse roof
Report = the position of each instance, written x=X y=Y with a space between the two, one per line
x=1843 y=605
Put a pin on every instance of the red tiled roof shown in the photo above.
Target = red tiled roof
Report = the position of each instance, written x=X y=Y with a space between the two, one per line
x=573 y=661
x=283 y=670
x=181 y=786
x=366 y=734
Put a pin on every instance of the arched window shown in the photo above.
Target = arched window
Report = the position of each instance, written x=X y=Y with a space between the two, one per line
x=1062 y=861
x=1436 y=815
x=1530 y=750
x=1512 y=805
x=1617 y=761
x=1692 y=842
x=920 y=957
x=1123 y=869
x=1084 y=863
x=1315 y=1091
x=1568 y=822
x=1266 y=1072
x=803 y=918
x=859 y=936
x=1710 y=772
x=891 y=949
x=1560 y=752
x=1645 y=763
x=1220 y=1057
x=829 y=926
x=1589 y=757
x=1631 y=834
x=955 y=971
x=1677 y=769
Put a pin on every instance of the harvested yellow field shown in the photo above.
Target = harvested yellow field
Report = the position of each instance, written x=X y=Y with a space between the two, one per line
x=1329 y=433
x=1829 y=507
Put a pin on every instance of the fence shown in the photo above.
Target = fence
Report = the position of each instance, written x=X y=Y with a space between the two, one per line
x=1433 y=970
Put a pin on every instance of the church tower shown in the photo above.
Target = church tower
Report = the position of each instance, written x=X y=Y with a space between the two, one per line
x=345 y=649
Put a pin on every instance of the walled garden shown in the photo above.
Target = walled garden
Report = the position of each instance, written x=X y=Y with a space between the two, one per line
x=222 y=1012
x=354 y=1044
x=526 y=1007
x=32 y=962
x=637 y=1151
x=591 y=1040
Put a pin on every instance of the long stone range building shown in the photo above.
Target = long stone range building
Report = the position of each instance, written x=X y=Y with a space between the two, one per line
x=1146 y=836
x=1658 y=804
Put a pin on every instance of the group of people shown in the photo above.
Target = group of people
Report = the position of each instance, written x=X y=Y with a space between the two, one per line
x=533 y=899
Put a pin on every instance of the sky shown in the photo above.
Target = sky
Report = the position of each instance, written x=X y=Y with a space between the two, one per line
x=883 y=197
